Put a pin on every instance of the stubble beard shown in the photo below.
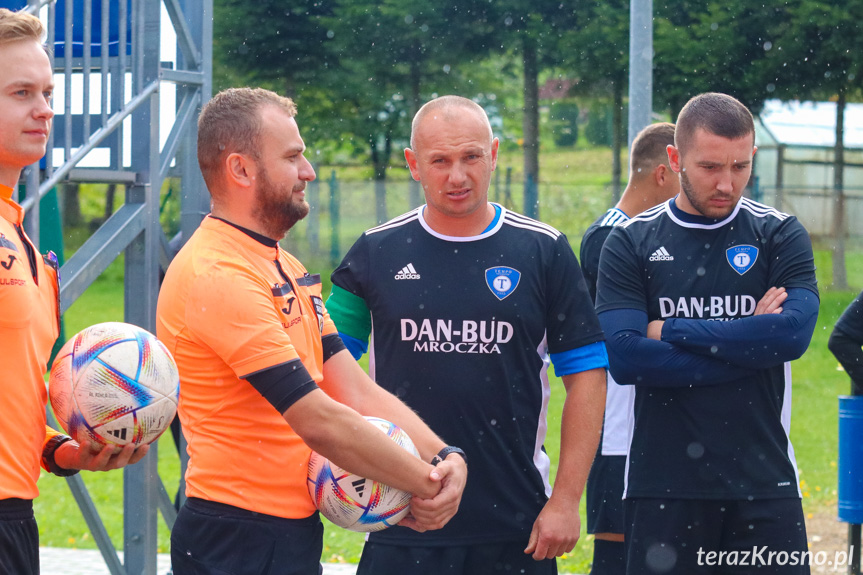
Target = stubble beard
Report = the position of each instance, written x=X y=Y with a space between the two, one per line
x=700 y=206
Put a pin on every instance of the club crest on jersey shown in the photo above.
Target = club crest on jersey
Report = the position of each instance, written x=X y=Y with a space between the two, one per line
x=742 y=258
x=502 y=280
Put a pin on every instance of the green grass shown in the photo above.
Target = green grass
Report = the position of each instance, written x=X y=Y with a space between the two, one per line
x=572 y=198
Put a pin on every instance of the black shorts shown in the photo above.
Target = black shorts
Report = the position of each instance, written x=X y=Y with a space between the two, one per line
x=697 y=536
x=212 y=538
x=19 y=538
x=604 y=494
x=486 y=559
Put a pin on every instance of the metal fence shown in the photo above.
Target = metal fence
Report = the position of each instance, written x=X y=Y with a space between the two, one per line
x=813 y=206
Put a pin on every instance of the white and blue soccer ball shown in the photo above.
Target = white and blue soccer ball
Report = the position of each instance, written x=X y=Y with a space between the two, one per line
x=114 y=383
x=354 y=502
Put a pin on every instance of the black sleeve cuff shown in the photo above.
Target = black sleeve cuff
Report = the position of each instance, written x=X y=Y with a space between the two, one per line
x=332 y=345
x=283 y=385
x=48 y=456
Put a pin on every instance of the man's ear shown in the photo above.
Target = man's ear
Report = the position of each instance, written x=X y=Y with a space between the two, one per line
x=411 y=158
x=239 y=170
x=494 y=146
x=661 y=175
x=674 y=158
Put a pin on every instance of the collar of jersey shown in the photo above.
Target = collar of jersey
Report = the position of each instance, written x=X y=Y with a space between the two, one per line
x=251 y=240
x=9 y=210
x=496 y=223
x=694 y=221
x=269 y=242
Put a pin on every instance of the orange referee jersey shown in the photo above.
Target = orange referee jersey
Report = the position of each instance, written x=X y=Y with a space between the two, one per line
x=229 y=307
x=29 y=325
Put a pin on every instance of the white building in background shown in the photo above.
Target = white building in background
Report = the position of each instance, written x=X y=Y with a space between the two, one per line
x=794 y=165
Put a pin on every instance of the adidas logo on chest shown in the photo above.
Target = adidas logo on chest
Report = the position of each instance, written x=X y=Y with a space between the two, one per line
x=407 y=273
x=661 y=255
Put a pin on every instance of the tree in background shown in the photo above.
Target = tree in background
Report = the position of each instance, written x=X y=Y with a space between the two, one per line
x=394 y=53
x=269 y=43
x=598 y=49
x=563 y=117
x=534 y=29
x=706 y=45
x=821 y=59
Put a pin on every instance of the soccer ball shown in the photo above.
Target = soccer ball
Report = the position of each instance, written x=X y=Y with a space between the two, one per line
x=354 y=502
x=114 y=383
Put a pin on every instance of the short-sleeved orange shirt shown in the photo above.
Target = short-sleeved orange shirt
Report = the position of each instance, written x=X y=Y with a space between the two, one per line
x=229 y=307
x=29 y=325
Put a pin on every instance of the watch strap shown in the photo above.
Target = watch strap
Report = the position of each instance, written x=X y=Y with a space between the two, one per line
x=449 y=449
x=48 y=456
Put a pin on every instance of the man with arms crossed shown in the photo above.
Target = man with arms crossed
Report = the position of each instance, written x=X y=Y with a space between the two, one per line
x=466 y=304
x=264 y=377
x=704 y=300
x=29 y=307
x=651 y=182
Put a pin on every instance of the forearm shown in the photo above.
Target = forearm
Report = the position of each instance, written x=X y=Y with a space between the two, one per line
x=383 y=404
x=581 y=426
x=635 y=359
x=753 y=342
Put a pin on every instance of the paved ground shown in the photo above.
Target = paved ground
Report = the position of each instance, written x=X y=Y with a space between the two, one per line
x=55 y=561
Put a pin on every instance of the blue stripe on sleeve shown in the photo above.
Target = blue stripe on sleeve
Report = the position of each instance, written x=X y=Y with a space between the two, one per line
x=357 y=347
x=584 y=358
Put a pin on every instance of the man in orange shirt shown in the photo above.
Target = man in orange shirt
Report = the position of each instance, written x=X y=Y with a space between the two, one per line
x=29 y=307
x=264 y=376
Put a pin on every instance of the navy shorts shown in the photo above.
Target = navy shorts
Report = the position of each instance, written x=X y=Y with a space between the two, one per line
x=19 y=538
x=697 y=537
x=604 y=494
x=212 y=538
x=485 y=559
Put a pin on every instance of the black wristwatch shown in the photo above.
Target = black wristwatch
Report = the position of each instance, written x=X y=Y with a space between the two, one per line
x=48 y=456
x=446 y=451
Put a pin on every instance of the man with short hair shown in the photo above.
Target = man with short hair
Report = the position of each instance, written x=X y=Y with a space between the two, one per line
x=29 y=307
x=651 y=182
x=466 y=304
x=264 y=377
x=704 y=300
